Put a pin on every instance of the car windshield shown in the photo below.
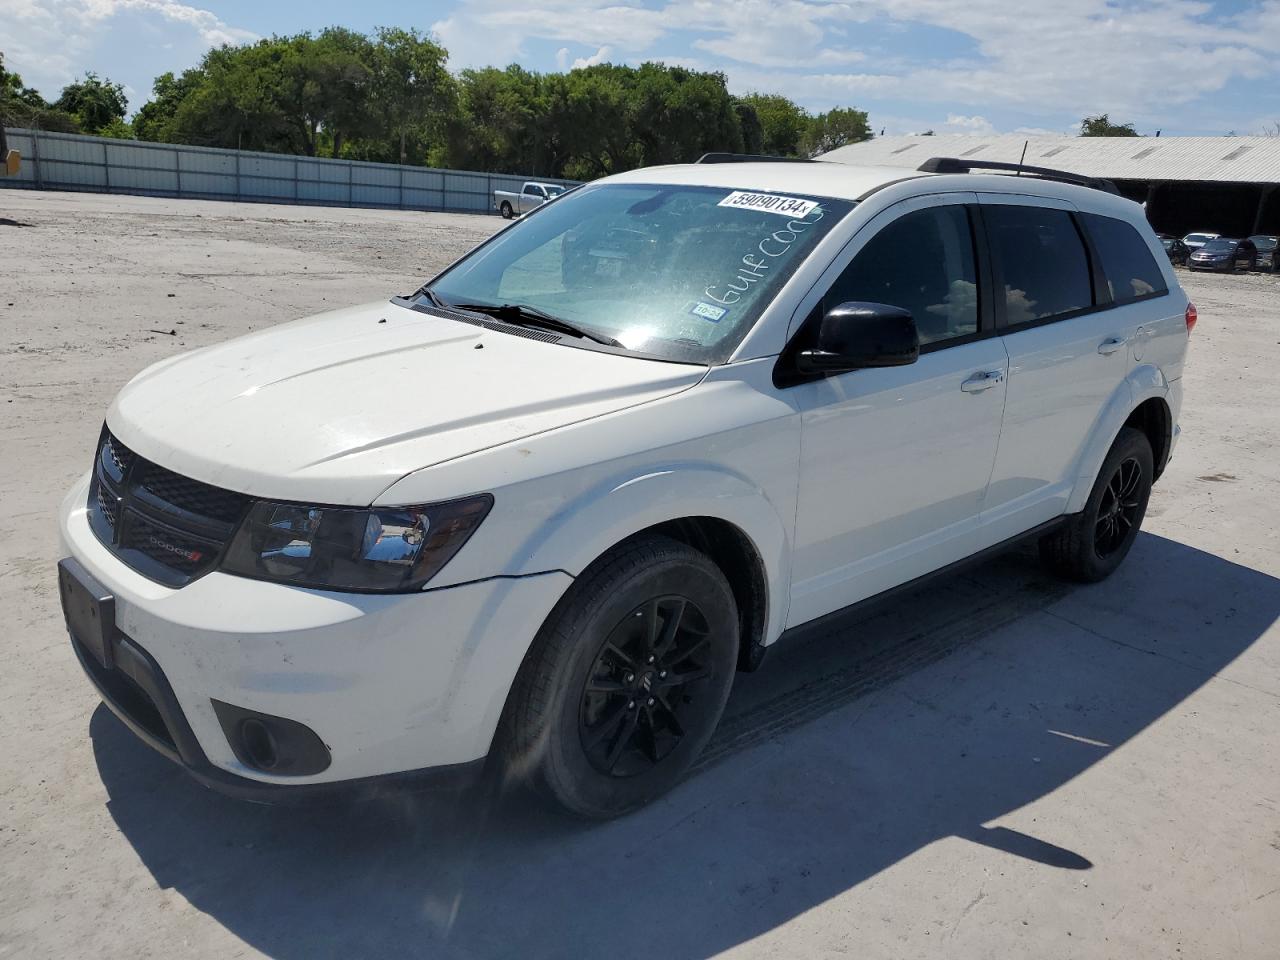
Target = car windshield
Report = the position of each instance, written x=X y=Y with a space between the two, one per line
x=677 y=272
x=1197 y=237
x=554 y=191
x=1264 y=243
x=1219 y=246
x=1168 y=242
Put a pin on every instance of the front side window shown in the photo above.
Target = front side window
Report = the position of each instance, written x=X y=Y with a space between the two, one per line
x=922 y=262
x=1130 y=269
x=677 y=272
x=1042 y=263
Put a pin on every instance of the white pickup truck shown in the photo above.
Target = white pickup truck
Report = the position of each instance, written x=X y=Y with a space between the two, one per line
x=531 y=195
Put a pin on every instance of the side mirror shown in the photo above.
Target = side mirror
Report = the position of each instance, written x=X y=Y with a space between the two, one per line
x=856 y=335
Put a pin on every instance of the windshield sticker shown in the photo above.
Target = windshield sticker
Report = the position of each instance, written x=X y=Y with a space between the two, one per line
x=708 y=311
x=792 y=207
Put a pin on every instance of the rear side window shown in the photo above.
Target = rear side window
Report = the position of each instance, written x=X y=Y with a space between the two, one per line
x=1044 y=267
x=1126 y=260
x=922 y=262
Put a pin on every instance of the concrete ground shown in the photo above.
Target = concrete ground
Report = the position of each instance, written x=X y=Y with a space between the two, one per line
x=1001 y=765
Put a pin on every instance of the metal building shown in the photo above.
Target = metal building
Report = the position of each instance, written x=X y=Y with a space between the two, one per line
x=1226 y=185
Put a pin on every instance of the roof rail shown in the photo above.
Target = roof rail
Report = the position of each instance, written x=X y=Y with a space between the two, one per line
x=747 y=158
x=959 y=165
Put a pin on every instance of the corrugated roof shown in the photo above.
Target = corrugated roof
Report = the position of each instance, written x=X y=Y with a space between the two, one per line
x=1228 y=159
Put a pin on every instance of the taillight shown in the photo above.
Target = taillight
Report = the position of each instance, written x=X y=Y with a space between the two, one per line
x=1192 y=317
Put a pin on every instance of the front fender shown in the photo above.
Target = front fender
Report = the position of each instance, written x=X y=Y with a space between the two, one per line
x=1143 y=382
x=609 y=512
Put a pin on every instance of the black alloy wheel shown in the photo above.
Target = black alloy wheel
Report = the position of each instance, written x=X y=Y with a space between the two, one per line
x=643 y=691
x=625 y=682
x=1120 y=508
x=1091 y=544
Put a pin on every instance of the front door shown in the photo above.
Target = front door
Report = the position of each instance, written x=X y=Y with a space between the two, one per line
x=895 y=462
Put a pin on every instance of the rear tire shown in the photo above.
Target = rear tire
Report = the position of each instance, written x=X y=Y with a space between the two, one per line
x=507 y=212
x=625 y=682
x=1092 y=544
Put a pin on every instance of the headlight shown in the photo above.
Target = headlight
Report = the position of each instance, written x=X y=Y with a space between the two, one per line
x=382 y=549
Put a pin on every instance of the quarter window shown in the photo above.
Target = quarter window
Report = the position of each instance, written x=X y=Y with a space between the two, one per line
x=1042 y=261
x=922 y=262
x=1131 y=270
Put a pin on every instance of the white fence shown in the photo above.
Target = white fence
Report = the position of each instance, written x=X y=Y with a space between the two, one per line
x=65 y=161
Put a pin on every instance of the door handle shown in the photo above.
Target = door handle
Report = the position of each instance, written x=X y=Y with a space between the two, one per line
x=984 y=380
x=1111 y=345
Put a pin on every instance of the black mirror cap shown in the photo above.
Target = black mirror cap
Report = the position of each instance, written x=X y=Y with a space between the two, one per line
x=857 y=335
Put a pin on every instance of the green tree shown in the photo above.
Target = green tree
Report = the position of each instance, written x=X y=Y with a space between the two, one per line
x=156 y=119
x=1101 y=126
x=343 y=68
x=596 y=127
x=835 y=128
x=783 y=123
x=22 y=106
x=679 y=114
x=117 y=129
x=234 y=102
x=752 y=128
x=413 y=94
x=94 y=101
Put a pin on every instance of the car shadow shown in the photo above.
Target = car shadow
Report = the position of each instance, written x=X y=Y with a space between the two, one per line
x=850 y=749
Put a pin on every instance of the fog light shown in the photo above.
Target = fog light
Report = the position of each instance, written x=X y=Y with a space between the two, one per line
x=258 y=743
x=271 y=744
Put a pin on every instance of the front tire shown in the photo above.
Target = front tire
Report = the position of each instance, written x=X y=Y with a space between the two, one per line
x=625 y=682
x=1092 y=544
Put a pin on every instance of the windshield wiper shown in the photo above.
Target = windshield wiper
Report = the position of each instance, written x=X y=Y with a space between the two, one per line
x=435 y=298
x=521 y=315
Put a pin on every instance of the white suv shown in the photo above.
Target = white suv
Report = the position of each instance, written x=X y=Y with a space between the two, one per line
x=540 y=511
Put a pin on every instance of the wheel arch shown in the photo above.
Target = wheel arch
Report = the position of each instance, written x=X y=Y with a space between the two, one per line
x=1141 y=401
x=714 y=510
x=730 y=549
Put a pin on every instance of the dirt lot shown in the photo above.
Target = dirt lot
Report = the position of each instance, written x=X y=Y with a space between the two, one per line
x=999 y=766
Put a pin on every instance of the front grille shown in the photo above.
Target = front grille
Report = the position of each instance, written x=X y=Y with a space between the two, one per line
x=166 y=526
x=190 y=496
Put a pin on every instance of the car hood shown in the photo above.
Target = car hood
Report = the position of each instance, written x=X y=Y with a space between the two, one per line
x=336 y=408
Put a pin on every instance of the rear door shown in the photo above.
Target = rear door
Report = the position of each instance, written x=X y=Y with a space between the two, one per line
x=1142 y=299
x=894 y=461
x=1067 y=355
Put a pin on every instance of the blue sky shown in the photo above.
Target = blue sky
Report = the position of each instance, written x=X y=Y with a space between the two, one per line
x=956 y=66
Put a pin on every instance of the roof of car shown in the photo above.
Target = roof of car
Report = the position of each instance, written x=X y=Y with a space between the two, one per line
x=825 y=177
x=838 y=180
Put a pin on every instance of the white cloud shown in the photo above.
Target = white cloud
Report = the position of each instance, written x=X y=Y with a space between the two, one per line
x=958 y=123
x=1138 y=59
x=600 y=56
x=562 y=59
x=49 y=42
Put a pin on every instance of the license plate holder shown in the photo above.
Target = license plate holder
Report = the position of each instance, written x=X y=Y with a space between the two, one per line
x=89 y=610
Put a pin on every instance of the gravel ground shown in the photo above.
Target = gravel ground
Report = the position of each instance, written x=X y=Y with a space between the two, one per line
x=1002 y=766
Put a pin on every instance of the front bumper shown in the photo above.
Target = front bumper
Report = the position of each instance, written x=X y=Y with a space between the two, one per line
x=391 y=684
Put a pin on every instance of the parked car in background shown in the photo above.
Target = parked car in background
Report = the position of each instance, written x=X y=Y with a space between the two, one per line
x=755 y=394
x=1178 y=252
x=1224 y=255
x=531 y=196
x=1195 y=241
x=1268 y=257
